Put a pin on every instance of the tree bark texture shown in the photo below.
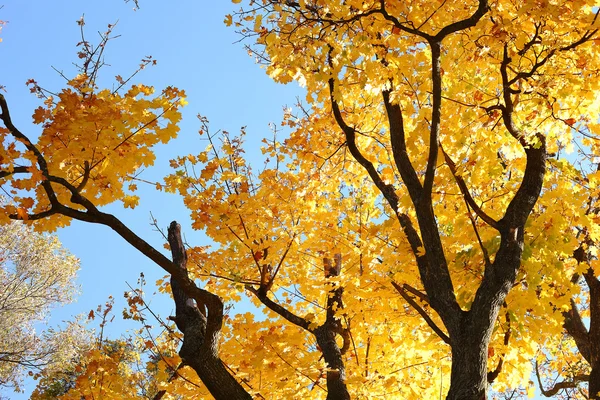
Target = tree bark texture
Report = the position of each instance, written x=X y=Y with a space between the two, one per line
x=469 y=364
x=200 y=338
x=326 y=334
x=594 y=334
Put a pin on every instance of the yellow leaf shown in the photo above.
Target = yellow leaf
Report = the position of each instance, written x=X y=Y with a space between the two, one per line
x=257 y=22
x=130 y=201
x=22 y=213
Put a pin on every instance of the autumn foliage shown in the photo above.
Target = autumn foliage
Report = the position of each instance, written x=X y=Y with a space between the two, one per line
x=425 y=229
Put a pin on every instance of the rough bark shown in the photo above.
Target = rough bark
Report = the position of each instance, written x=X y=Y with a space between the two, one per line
x=468 y=379
x=594 y=333
x=200 y=345
x=336 y=371
x=326 y=334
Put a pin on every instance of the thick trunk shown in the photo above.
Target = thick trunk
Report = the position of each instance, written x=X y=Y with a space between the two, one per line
x=468 y=380
x=217 y=378
x=594 y=388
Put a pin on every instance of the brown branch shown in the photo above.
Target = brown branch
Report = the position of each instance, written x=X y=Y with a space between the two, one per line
x=436 y=116
x=201 y=325
x=41 y=161
x=466 y=194
x=486 y=256
x=283 y=257
x=482 y=9
x=15 y=170
x=416 y=292
x=522 y=203
x=282 y=311
x=560 y=385
x=574 y=326
x=492 y=375
x=423 y=313
x=398 y=141
x=534 y=40
x=388 y=191
x=86 y=175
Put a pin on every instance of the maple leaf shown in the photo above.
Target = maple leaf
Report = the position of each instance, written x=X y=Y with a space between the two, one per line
x=22 y=213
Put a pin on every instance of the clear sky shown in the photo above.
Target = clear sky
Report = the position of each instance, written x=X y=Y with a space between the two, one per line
x=195 y=52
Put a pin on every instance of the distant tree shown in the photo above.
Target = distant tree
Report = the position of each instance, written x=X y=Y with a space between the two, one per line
x=36 y=275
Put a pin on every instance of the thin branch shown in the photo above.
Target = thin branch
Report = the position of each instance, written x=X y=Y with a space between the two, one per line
x=388 y=191
x=466 y=194
x=288 y=315
x=314 y=382
x=416 y=292
x=421 y=312
x=560 y=385
x=486 y=255
x=492 y=375
x=15 y=170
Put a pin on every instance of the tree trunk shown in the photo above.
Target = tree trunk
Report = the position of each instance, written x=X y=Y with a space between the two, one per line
x=217 y=379
x=468 y=380
x=594 y=388
x=200 y=322
x=336 y=372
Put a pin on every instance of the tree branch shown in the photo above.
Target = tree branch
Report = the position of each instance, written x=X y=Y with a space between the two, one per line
x=16 y=170
x=388 y=191
x=436 y=116
x=282 y=311
x=492 y=375
x=574 y=326
x=466 y=194
x=5 y=116
x=438 y=331
x=398 y=141
x=560 y=385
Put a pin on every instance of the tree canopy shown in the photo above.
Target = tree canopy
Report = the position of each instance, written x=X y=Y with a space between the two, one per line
x=37 y=274
x=426 y=226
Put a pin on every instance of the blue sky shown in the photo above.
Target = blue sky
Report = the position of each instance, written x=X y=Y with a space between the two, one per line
x=196 y=52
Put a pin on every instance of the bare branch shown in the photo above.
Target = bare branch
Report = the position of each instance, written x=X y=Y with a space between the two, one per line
x=466 y=194
x=560 y=385
x=438 y=331
x=282 y=311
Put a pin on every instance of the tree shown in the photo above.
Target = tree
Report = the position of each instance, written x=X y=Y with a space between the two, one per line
x=37 y=275
x=106 y=368
x=92 y=142
x=430 y=98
